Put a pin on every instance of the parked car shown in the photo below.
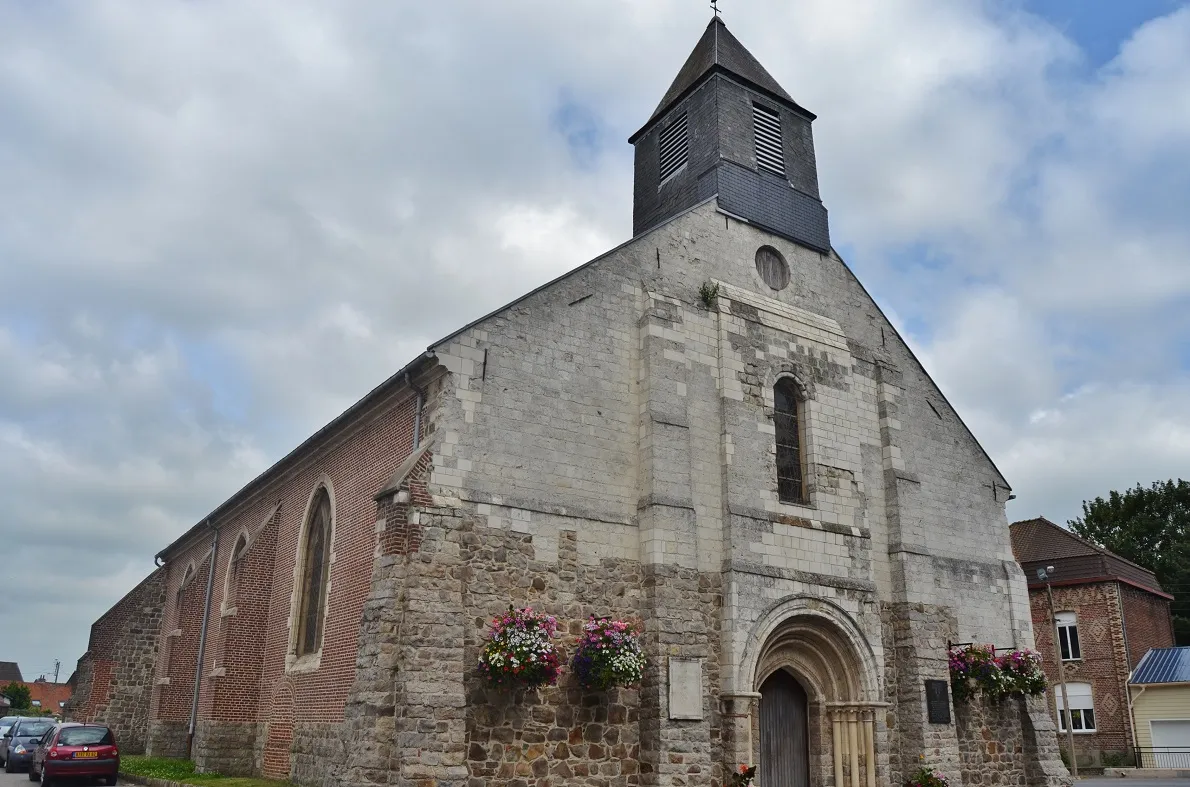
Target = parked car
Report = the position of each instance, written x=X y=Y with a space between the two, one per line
x=17 y=745
x=73 y=749
x=6 y=723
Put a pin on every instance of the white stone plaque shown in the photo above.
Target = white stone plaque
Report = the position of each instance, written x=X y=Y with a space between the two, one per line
x=685 y=688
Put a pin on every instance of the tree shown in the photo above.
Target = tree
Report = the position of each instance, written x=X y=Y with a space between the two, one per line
x=18 y=695
x=1151 y=527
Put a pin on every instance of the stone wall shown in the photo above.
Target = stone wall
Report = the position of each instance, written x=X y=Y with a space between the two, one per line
x=225 y=747
x=114 y=678
x=1010 y=742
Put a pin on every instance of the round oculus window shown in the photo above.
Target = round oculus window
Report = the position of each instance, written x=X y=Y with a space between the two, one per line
x=772 y=267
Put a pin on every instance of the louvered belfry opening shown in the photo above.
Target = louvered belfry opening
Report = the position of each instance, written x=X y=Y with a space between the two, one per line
x=674 y=147
x=770 y=153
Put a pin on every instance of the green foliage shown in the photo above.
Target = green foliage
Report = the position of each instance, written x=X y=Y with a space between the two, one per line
x=1149 y=526
x=709 y=294
x=927 y=777
x=1115 y=759
x=18 y=695
x=182 y=771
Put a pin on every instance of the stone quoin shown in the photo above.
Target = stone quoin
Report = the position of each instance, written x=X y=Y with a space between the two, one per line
x=712 y=430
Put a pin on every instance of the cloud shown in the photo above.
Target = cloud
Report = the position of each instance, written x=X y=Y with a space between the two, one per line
x=222 y=223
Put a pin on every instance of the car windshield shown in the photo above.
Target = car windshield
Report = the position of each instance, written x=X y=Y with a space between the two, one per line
x=84 y=736
x=34 y=729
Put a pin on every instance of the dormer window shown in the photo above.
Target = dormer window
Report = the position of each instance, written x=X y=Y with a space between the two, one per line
x=770 y=153
x=674 y=146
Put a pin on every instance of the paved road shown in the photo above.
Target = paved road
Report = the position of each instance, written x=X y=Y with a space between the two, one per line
x=19 y=779
x=1087 y=783
x=14 y=779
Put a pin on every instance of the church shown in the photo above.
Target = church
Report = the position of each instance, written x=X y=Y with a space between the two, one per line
x=711 y=430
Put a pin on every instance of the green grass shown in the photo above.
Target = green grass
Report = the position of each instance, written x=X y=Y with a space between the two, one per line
x=183 y=771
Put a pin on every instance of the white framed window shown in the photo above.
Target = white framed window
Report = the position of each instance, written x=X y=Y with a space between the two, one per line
x=1068 y=636
x=1082 y=709
x=36 y=703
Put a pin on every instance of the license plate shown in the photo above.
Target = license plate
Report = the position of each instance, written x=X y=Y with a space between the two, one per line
x=85 y=755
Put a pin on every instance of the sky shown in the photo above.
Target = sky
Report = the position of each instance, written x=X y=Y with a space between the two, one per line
x=221 y=223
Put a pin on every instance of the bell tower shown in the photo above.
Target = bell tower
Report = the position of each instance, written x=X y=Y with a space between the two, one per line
x=726 y=128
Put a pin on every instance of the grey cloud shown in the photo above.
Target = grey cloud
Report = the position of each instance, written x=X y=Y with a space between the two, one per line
x=221 y=223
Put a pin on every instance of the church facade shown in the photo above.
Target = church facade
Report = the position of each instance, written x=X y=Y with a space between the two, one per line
x=712 y=430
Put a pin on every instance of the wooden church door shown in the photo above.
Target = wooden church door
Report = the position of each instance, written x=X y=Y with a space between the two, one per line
x=784 y=738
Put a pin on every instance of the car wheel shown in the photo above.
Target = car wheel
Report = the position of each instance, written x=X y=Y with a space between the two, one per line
x=46 y=781
x=32 y=774
x=110 y=781
x=8 y=766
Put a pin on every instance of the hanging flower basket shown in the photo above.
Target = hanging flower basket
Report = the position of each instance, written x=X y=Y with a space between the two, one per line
x=1022 y=672
x=976 y=669
x=609 y=654
x=520 y=653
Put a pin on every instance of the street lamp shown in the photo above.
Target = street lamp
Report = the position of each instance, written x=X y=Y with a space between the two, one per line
x=1044 y=575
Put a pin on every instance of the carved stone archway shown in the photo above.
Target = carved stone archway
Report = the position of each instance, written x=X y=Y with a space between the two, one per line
x=822 y=648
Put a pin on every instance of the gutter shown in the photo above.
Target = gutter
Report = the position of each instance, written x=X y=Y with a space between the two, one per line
x=202 y=639
x=1131 y=715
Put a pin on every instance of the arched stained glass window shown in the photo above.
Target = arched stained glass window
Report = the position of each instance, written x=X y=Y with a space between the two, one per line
x=787 y=406
x=315 y=574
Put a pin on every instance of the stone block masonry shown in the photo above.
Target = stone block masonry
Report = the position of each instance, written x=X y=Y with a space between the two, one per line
x=114 y=678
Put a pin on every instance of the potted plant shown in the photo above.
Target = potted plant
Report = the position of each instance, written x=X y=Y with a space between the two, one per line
x=519 y=652
x=609 y=654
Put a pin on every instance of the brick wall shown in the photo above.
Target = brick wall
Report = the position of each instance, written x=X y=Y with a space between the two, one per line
x=114 y=678
x=1104 y=662
x=260 y=707
x=1147 y=623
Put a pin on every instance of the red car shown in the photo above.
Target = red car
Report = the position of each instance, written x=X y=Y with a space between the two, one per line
x=72 y=749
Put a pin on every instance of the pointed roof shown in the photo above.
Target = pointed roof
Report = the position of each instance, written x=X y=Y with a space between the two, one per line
x=720 y=51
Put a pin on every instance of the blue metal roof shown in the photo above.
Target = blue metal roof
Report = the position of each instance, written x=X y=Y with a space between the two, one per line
x=1163 y=665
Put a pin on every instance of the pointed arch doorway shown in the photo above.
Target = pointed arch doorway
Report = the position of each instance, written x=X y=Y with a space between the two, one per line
x=784 y=732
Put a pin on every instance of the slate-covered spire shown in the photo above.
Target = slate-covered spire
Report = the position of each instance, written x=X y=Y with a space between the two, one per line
x=718 y=48
x=726 y=128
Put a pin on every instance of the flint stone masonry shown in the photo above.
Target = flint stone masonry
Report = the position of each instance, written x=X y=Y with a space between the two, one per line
x=1009 y=742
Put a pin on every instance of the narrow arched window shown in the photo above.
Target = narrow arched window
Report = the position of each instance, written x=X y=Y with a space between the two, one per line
x=315 y=572
x=787 y=406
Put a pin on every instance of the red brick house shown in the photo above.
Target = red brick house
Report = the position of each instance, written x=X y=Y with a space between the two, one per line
x=1109 y=612
x=45 y=696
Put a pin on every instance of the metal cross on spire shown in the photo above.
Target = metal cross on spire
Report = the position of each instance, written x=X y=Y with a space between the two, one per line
x=715 y=6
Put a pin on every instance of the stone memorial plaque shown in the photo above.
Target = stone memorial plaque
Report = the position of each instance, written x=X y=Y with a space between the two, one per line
x=685 y=688
x=938 y=701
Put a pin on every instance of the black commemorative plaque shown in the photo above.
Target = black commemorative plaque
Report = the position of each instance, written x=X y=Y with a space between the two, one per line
x=938 y=701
